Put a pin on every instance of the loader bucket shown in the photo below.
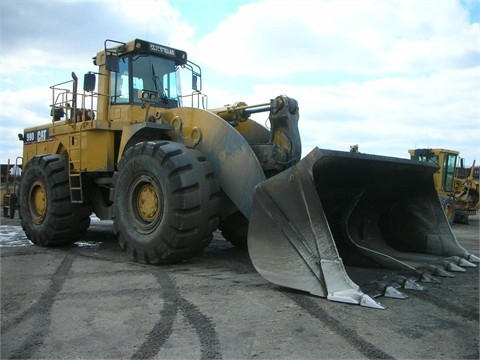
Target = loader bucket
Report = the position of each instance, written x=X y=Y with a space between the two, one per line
x=335 y=209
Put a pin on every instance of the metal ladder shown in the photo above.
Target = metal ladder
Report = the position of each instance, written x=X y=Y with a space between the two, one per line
x=75 y=177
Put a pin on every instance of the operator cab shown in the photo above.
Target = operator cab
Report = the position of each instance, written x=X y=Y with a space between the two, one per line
x=148 y=72
x=447 y=161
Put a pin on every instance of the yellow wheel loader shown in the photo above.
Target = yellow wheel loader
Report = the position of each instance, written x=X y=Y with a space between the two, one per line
x=170 y=172
x=459 y=196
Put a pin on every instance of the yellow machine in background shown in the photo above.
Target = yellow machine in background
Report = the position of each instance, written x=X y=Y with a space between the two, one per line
x=10 y=188
x=169 y=172
x=459 y=196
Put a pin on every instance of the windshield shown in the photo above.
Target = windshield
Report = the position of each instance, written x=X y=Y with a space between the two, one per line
x=150 y=73
x=426 y=158
x=449 y=168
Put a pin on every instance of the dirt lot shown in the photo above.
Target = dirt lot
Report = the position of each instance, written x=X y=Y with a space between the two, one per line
x=89 y=301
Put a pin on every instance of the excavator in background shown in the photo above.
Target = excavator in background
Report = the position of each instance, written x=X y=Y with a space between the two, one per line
x=170 y=172
x=459 y=196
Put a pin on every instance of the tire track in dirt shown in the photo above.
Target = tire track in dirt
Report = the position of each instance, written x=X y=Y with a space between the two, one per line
x=40 y=312
x=161 y=331
x=464 y=312
x=346 y=332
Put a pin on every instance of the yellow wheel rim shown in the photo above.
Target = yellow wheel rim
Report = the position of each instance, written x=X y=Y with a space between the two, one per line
x=38 y=202
x=147 y=203
x=448 y=211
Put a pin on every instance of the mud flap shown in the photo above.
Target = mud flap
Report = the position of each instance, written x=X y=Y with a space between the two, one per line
x=334 y=209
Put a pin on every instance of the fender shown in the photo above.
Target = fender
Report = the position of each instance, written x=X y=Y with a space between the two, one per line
x=145 y=131
x=235 y=163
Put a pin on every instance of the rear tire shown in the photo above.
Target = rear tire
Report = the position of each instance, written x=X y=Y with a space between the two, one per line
x=166 y=202
x=48 y=215
x=448 y=206
x=12 y=205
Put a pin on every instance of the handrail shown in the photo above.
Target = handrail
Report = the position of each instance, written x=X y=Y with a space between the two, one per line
x=67 y=100
x=200 y=98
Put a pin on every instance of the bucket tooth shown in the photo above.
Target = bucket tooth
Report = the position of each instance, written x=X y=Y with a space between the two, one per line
x=425 y=277
x=356 y=298
x=411 y=284
x=462 y=262
x=472 y=258
x=451 y=266
x=466 y=263
x=391 y=292
x=378 y=289
x=438 y=271
x=367 y=301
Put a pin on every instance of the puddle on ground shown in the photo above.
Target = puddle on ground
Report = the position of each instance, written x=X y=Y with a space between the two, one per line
x=87 y=244
x=13 y=236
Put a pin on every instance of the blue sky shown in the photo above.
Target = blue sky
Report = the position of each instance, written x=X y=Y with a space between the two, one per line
x=386 y=75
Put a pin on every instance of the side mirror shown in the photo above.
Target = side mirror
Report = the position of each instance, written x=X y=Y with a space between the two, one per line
x=194 y=82
x=89 y=82
x=111 y=63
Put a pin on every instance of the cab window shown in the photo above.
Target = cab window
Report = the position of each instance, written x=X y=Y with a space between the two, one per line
x=449 y=172
x=119 y=83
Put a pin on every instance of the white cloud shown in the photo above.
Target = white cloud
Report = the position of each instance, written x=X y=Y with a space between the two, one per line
x=158 y=21
x=60 y=36
x=20 y=109
x=275 y=38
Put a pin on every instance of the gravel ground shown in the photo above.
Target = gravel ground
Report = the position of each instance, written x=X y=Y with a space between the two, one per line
x=88 y=301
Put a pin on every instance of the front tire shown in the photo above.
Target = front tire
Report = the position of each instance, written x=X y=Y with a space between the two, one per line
x=166 y=202
x=48 y=215
x=235 y=230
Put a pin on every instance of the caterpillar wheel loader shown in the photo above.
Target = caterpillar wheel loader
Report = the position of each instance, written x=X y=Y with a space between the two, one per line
x=170 y=172
x=459 y=196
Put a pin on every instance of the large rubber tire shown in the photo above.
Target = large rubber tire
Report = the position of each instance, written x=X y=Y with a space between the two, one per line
x=448 y=206
x=48 y=216
x=166 y=202
x=235 y=230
